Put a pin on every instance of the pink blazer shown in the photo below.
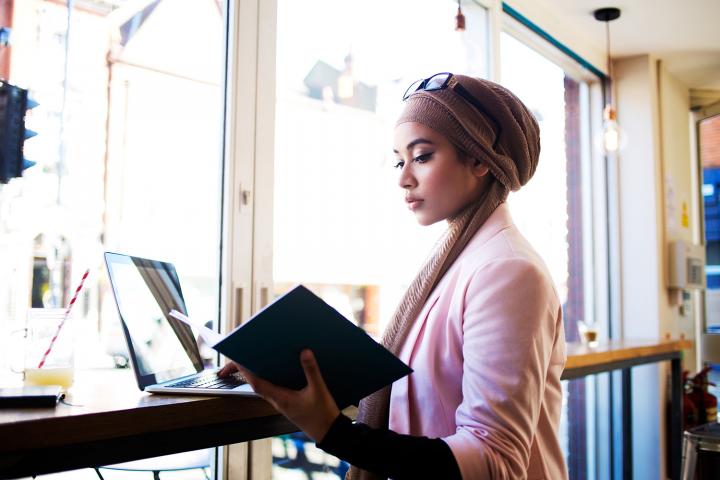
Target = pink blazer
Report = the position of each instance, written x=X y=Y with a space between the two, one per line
x=487 y=352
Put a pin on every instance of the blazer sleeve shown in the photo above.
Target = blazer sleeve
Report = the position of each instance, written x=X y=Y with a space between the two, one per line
x=510 y=321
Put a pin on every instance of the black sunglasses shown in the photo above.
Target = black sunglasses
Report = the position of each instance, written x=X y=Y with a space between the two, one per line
x=446 y=80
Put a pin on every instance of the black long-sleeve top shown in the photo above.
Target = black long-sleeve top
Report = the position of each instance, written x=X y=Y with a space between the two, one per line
x=389 y=453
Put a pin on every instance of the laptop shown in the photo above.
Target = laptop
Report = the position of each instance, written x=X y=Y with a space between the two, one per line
x=164 y=352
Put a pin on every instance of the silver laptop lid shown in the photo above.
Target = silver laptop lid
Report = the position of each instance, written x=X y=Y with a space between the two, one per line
x=160 y=347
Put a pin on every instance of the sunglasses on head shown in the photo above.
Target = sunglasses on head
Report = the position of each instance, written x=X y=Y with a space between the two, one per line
x=446 y=80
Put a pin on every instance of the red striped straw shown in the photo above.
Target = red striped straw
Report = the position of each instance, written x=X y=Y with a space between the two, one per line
x=65 y=316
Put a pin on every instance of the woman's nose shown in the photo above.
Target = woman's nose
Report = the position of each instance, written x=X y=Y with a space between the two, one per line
x=406 y=179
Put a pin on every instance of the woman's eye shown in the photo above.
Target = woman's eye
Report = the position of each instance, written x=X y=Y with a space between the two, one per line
x=422 y=158
x=399 y=164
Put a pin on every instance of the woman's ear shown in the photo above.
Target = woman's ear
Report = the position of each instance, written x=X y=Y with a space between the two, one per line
x=480 y=169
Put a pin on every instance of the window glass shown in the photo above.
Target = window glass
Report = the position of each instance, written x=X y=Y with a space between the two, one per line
x=129 y=129
x=128 y=152
x=709 y=133
x=709 y=140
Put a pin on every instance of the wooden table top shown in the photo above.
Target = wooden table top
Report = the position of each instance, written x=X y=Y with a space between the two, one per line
x=98 y=395
x=97 y=392
x=584 y=360
x=109 y=420
x=579 y=355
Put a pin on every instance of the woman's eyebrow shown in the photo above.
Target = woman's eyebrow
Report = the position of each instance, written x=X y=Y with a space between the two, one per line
x=417 y=141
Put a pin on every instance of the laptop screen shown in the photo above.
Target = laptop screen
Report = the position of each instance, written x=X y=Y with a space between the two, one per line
x=161 y=348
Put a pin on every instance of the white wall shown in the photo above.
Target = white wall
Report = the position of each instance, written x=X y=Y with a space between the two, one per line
x=680 y=192
x=640 y=173
x=655 y=189
x=641 y=241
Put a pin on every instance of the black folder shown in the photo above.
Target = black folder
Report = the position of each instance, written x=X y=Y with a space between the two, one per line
x=352 y=363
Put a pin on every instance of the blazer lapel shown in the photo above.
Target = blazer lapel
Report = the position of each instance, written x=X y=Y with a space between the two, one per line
x=399 y=395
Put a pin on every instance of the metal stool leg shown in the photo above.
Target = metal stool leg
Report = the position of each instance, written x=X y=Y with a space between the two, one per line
x=689 y=459
x=676 y=416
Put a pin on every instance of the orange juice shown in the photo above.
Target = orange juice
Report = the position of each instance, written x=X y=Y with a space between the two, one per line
x=62 y=376
x=50 y=343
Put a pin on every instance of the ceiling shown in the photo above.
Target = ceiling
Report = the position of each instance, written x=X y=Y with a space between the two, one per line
x=685 y=35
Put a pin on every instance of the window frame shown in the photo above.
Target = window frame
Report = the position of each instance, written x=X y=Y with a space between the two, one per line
x=246 y=263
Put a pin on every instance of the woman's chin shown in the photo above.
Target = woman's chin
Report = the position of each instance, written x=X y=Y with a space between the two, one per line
x=426 y=220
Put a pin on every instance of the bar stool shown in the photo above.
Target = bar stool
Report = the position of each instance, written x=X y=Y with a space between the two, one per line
x=198 y=459
x=701 y=452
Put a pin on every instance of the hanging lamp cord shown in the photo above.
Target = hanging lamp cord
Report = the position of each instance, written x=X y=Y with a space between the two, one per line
x=609 y=62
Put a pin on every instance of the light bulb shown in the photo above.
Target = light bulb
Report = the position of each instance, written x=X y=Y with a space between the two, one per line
x=613 y=138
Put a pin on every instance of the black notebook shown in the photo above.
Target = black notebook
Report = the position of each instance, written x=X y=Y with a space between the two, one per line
x=269 y=344
x=31 y=396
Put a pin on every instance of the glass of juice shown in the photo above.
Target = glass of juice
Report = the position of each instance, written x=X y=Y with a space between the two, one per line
x=50 y=342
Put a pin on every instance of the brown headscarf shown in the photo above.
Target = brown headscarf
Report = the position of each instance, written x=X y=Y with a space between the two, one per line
x=506 y=138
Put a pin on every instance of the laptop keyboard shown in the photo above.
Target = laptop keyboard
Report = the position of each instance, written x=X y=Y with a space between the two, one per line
x=210 y=380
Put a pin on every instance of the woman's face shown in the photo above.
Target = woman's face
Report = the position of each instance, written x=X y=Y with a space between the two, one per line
x=437 y=183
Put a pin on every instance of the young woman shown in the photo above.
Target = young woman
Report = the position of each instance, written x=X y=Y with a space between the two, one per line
x=481 y=324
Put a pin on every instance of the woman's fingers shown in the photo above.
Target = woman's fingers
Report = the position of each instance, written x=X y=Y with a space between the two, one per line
x=269 y=391
x=251 y=379
x=311 y=369
x=311 y=408
x=285 y=398
x=227 y=370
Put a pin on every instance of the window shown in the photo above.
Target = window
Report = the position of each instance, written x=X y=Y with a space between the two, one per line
x=339 y=221
x=708 y=131
x=554 y=210
x=129 y=158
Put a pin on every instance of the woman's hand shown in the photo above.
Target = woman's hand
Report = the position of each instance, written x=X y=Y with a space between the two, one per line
x=312 y=408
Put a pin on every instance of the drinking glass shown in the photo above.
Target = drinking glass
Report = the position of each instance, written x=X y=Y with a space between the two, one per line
x=588 y=333
x=48 y=341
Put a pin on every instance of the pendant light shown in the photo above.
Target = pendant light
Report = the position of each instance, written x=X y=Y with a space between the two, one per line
x=459 y=20
x=613 y=138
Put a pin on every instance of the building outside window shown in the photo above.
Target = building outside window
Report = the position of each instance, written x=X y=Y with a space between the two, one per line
x=129 y=159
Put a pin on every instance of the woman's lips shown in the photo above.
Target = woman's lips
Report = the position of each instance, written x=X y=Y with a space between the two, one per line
x=413 y=203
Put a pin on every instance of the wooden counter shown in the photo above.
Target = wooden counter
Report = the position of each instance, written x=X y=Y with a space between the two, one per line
x=617 y=354
x=108 y=420
x=111 y=421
